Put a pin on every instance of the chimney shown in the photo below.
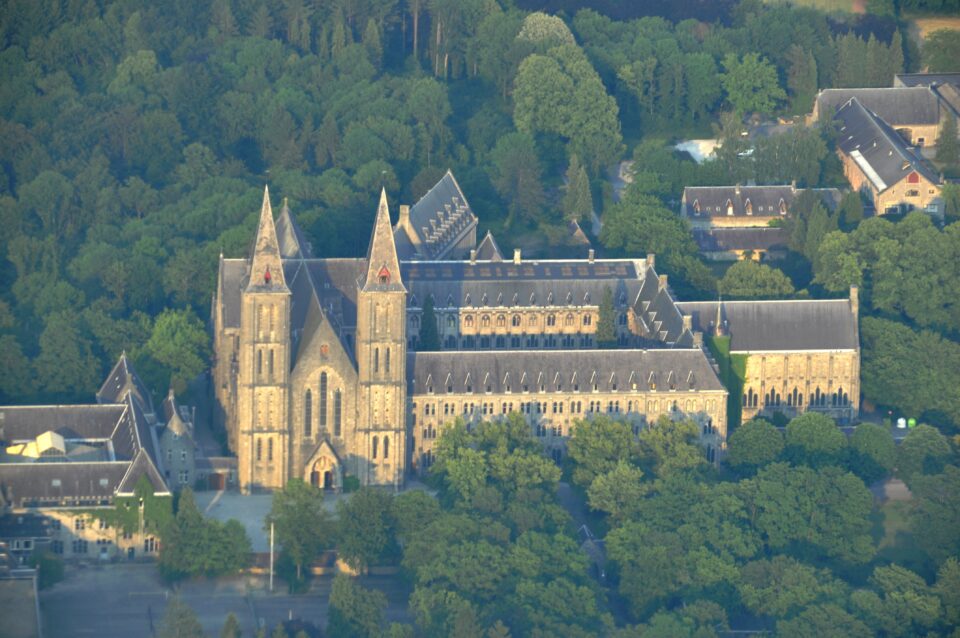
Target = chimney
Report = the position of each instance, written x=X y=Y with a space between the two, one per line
x=516 y=256
x=663 y=282
x=793 y=186
x=590 y=255
x=651 y=260
x=736 y=189
x=473 y=255
x=855 y=300
x=697 y=339
x=688 y=322
x=404 y=215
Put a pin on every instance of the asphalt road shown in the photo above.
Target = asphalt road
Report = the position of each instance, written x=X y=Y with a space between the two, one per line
x=129 y=600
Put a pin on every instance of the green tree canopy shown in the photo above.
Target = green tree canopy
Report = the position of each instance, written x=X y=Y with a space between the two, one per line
x=750 y=280
x=354 y=611
x=754 y=444
x=301 y=524
x=815 y=440
x=366 y=528
x=751 y=84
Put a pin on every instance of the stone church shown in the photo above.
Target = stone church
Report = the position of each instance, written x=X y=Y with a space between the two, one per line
x=319 y=374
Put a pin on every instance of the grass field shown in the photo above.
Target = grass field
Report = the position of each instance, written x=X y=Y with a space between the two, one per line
x=829 y=6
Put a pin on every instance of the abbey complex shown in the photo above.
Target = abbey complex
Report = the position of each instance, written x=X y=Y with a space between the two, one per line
x=319 y=371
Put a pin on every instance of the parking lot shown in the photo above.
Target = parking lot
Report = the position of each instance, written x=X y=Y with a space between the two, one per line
x=126 y=600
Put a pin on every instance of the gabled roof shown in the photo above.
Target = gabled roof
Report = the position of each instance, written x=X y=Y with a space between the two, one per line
x=927 y=79
x=121 y=380
x=293 y=244
x=487 y=250
x=897 y=106
x=439 y=220
x=879 y=152
x=765 y=201
x=142 y=466
x=779 y=326
x=606 y=368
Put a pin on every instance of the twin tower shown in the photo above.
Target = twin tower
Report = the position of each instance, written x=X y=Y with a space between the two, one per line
x=310 y=367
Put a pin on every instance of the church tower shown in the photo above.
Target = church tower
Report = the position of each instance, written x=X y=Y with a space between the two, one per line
x=264 y=364
x=381 y=437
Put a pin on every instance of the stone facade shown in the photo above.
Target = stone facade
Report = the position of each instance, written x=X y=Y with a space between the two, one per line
x=319 y=372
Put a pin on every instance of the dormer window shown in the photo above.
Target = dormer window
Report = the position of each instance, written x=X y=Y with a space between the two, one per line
x=783 y=207
x=384 y=275
x=696 y=206
x=729 y=207
x=748 y=207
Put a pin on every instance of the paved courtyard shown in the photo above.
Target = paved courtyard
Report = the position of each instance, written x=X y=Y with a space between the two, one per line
x=127 y=600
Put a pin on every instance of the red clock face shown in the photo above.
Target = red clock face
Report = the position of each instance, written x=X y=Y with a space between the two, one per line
x=266 y=276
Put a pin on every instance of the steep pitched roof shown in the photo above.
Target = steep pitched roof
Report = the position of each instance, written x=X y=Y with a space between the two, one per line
x=142 y=465
x=732 y=201
x=926 y=79
x=897 y=106
x=266 y=269
x=383 y=265
x=612 y=370
x=778 y=326
x=121 y=380
x=876 y=148
x=292 y=243
x=487 y=250
x=440 y=219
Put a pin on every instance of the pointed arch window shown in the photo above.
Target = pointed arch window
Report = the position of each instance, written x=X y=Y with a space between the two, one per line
x=337 y=411
x=376 y=359
x=270 y=365
x=259 y=362
x=386 y=447
x=308 y=413
x=259 y=449
x=386 y=362
x=269 y=450
x=323 y=401
x=375 y=441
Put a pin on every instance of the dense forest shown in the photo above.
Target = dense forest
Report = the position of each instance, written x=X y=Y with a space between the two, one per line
x=135 y=139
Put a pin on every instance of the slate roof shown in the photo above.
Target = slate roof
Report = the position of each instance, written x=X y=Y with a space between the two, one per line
x=926 y=79
x=765 y=201
x=293 y=243
x=897 y=106
x=531 y=283
x=712 y=240
x=687 y=369
x=487 y=250
x=440 y=219
x=777 y=326
x=877 y=149
x=124 y=378
x=121 y=430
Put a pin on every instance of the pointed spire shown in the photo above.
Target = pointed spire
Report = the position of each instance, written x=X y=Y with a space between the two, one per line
x=383 y=267
x=718 y=326
x=266 y=267
x=293 y=244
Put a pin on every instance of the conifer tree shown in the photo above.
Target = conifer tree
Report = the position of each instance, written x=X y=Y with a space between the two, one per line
x=371 y=42
x=606 y=324
x=948 y=147
x=577 y=202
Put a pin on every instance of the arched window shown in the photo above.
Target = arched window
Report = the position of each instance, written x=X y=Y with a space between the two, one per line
x=323 y=401
x=569 y=320
x=587 y=319
x=376 y=359
x=501 y=321
x=337 y=411
x=386 y=361
x=451 y=321
x=748 y=206
x=386 y=447
x=532 y=320
x=259 y=362
x=783 y=207
x=468 y=321
x=270 y=366
x=551 y=320
x=729 y=207
x=269 y=450
x=485 y=321
x=696 y=206
x=375 y=441
x=515 y=321
x=259 y=449
x=308 y=413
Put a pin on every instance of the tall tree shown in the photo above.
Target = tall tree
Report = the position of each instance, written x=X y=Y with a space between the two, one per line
x=948 y=146
x=354 y=611
x=516 y=175
x=180 y=621
x=301 y=524
x=751 y=84
x=607 y=321
x=577 y=201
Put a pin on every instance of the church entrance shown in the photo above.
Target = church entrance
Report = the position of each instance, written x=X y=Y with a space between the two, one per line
x=323 y=470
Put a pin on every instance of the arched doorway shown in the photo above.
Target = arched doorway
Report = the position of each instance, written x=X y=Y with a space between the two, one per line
x=323 y=470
